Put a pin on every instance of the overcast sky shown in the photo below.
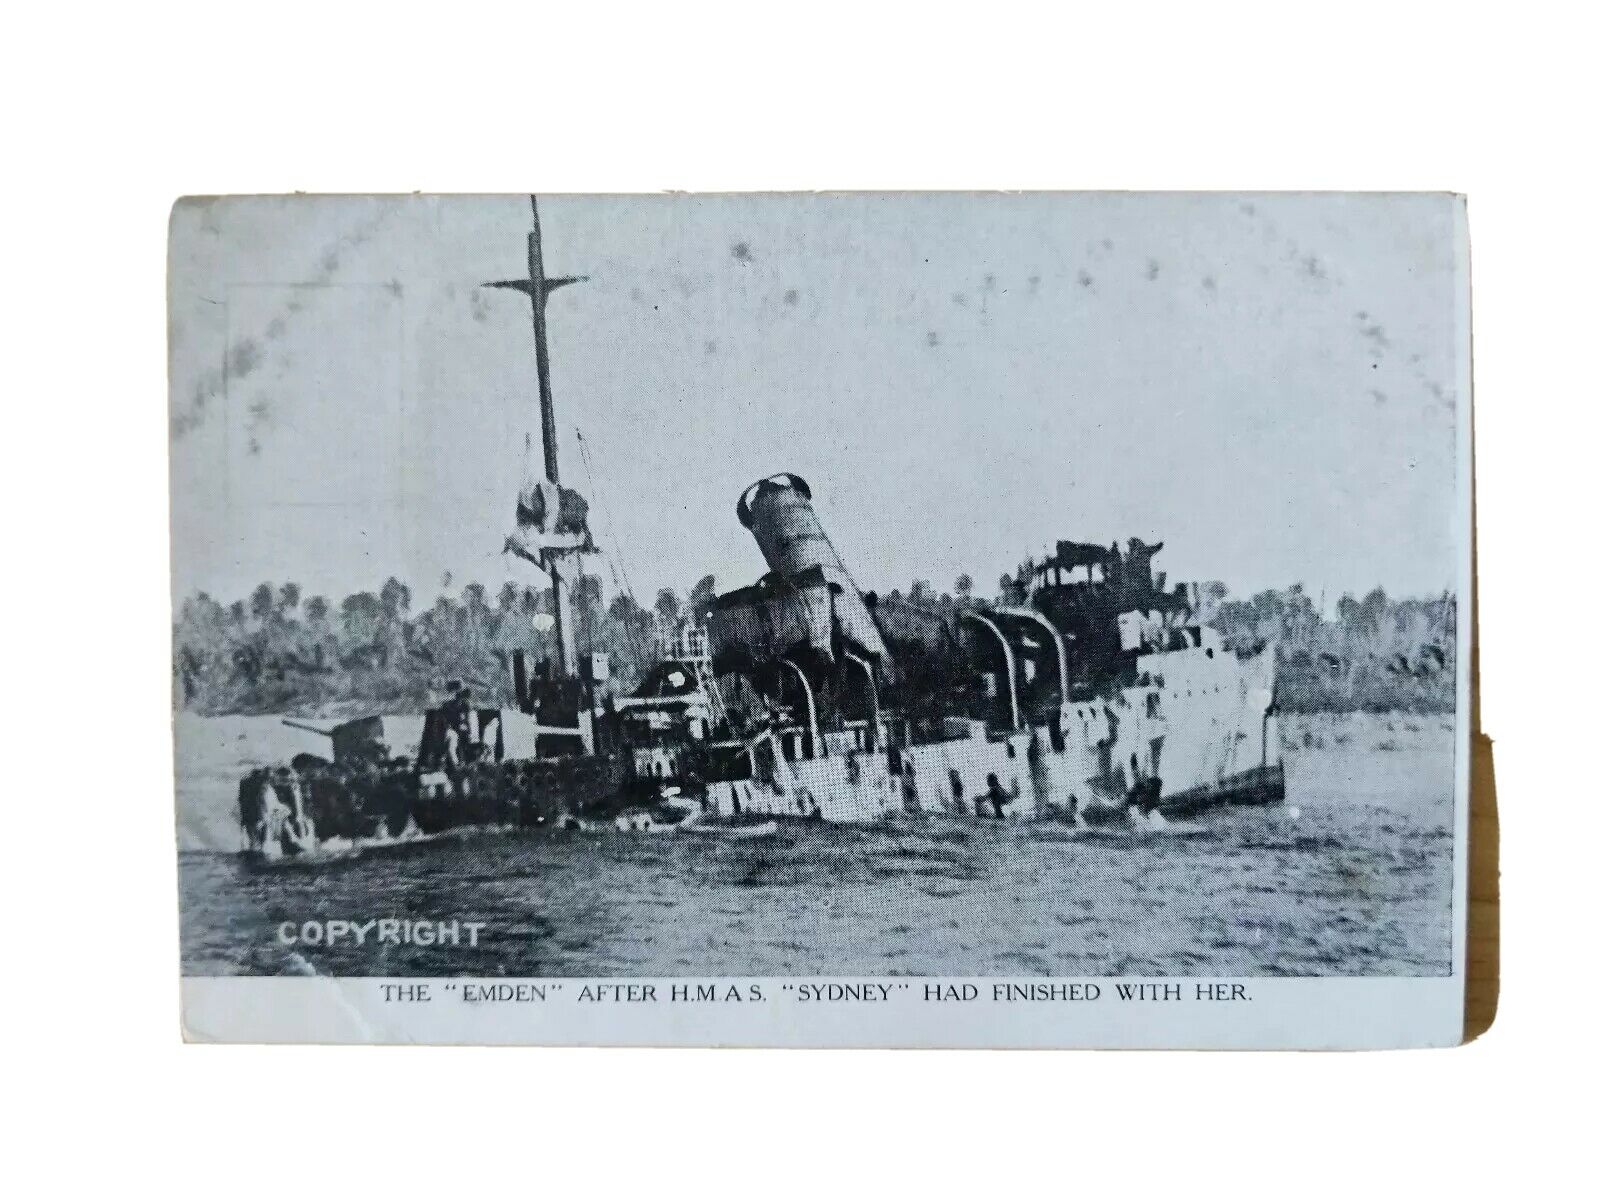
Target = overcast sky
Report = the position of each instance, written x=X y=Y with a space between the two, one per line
x=1268 y=383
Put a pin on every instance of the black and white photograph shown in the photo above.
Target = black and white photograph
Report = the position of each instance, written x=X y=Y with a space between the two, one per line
x=1019 y=599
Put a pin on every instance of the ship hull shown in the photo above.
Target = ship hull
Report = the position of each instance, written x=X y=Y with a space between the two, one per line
x=1258 y=785
x=316 y=806
x=1201 y=730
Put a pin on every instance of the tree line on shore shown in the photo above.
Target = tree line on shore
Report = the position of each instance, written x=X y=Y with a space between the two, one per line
x=281 y=651
x=1373 y=654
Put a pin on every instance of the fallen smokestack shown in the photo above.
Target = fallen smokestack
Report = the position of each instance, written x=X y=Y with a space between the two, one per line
x=778 y=513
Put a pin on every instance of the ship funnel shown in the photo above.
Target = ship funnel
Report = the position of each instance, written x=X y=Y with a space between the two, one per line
x=778 y=513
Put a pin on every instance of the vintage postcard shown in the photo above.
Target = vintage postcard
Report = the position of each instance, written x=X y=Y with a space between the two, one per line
x=994 y=620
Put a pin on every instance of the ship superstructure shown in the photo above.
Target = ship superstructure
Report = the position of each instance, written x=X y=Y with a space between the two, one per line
x=1091 y=689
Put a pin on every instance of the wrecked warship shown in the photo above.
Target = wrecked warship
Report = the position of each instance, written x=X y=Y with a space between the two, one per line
x=1099 y=695
x=1092 y=693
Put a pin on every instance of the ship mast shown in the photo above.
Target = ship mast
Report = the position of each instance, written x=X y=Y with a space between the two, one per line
x=538 y=288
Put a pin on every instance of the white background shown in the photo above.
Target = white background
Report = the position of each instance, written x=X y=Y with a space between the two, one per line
x=111 y=114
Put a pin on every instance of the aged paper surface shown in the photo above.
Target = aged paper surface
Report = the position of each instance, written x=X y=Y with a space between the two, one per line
x=939 y=619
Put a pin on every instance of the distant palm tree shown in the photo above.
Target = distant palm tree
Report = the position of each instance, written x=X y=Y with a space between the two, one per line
x=395 y=597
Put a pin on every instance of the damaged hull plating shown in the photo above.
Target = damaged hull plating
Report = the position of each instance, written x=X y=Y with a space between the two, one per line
x=1210 y=738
